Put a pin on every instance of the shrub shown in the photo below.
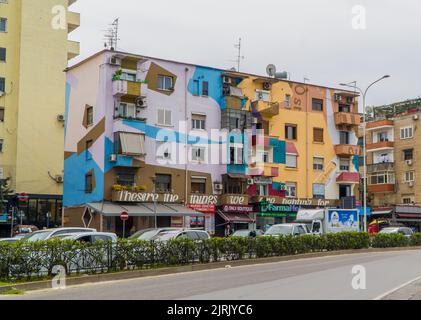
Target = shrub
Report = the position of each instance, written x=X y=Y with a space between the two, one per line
x=390 y=241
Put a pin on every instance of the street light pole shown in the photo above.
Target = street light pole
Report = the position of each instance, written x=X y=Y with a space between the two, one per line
x=364 y=95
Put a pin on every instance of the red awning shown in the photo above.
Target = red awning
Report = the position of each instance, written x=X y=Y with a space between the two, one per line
x=409 y=215
x=291 y=149
x=350 y=177
x=236 y=217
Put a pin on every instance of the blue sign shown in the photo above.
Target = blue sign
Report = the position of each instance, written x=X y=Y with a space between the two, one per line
x=343 y=220
x=361 y=211
x=3 y=218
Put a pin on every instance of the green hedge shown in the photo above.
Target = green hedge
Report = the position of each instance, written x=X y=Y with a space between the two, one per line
x=24 y=260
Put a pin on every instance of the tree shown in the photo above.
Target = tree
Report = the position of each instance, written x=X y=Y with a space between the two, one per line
x=5 y=192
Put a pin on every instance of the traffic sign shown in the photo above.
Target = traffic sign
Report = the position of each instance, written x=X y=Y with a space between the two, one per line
x=23 y=197
x=124 y=216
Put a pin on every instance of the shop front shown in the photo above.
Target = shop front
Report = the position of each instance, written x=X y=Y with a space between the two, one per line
x=207 y=205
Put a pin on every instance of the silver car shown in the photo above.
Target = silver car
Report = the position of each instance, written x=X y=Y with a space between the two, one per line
x=407 y=232
x=44 y=235
x=90 y=237
x=290 y=229
x=196 y=235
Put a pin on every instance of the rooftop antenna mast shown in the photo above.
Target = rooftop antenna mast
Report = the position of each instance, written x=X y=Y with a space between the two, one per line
x=239 y=57
x=111 y=36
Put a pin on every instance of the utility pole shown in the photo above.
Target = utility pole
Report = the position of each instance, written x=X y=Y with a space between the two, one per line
x=111 y=36
x=239 y=56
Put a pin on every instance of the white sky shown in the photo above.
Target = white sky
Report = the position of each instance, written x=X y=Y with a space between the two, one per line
x=308 y=38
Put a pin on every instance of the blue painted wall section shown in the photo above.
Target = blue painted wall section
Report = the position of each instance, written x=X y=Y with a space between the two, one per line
x=279 y=150
x=213 y=77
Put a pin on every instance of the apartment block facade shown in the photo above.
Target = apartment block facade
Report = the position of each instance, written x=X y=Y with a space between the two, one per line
x=34 y=51
x=176 y=144
x=393 y=166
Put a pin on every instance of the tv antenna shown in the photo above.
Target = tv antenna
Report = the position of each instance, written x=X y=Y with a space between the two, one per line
x=111 y=36
x=239 y=57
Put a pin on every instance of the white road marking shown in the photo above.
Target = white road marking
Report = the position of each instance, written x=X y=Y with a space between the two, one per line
x=384 y=295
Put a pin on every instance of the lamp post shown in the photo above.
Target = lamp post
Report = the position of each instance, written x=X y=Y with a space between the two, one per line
x=364 y=94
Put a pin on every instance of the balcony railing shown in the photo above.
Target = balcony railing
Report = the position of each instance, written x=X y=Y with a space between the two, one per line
x=346 y=150
x=380 y=167
x=347 y=119
x=266 y=108
x=382 y=145
x=126 y=88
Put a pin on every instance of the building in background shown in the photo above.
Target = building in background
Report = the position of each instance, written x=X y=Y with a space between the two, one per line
x=132 y=120
x=393 y=165
x=34 y=50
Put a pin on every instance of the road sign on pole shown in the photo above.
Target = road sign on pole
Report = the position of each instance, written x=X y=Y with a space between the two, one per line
x=124 y=216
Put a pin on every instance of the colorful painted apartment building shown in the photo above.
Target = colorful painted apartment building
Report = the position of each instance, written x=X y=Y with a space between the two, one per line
x=176 y=144
x=34 y=51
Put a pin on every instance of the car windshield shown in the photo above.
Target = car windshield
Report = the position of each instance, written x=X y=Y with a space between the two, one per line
x=63 y=236
x=389 y=230
x=147 y=236
x=138 y=234
x=241 y=233
x=279 y=230
x=165 y=236
x=38 y=236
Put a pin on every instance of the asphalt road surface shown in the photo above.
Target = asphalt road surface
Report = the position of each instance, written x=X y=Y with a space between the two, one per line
x=327 y=278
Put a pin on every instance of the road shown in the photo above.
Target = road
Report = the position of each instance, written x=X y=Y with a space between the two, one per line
x=326 y=278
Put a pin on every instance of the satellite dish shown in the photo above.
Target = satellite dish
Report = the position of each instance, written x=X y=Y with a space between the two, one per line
x=271 y=70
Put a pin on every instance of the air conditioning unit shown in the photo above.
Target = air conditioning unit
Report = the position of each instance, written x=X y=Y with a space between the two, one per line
x=115 y=61
x=61 y=118
x=219 y=187
x=1 y=93
x=113 y=158
x=416 y=117
x=267 y=86
x=226 y=80
x=250 y=182
x=255 y=120
x=409 y=162
x=411 y=184
x=140 y=102
x=1 y=173
x=59 y=179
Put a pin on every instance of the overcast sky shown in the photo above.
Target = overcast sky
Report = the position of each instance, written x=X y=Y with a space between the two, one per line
x=308 y=38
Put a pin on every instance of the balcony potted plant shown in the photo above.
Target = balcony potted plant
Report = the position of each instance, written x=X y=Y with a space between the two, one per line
x=117 y=75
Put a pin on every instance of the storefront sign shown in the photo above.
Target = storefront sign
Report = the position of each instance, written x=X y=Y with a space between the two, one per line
x=237 y=209
x=242 y=200
x=273 y=208
x=203 y=208
x=263 y=180
x=203 y=200
x=310 y=202
x=131 y=196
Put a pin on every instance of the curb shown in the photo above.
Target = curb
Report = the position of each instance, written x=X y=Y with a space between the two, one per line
x=126 y=275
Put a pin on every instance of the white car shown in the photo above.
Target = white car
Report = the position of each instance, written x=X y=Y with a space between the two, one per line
x=44 y=235
x=90 y=237
x=289 y=229
x=196 y=235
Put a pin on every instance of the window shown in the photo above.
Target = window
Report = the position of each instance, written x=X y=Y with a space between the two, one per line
x=126 y=179
x=407 y=133
x=318 y=135
x=409 y=176
x=128 y=76
x=89 y=183
x=196 y=84
x=291 y=132
x=266 y=157
x=262 y=95
x=198 y=122
x=317 y=105
x=126 y=110
x=89 y=144
x=2 y=84
x=164 y=117
x=163 y=183
x=163 y=150
x=205 y=88
x=198 y=154
x=2 y=54
x=382 y=178
x=318 y=191
x=344 y=165
x=235 y=123
x=318 y=164
x=3 y=24
x=291 y=161
x=1 y=145
x=344 y=108
x=1 y=114
x=263 y=190
x=198 y=185
x=287 y=101
x=291 y=190
x=343 y=137
x=89 y=116
x=382 y=137
x=131 y=144
x=408 y=199
x=165 y=83
x=237 y=155
x=408 y=154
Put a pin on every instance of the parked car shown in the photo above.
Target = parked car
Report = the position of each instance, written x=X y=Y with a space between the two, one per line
x=149 y=234
x=290 y=229
x=44 y=235
x=248 y=233
x=407 y=232
x=90 y=237
x=197 y=235
x=10 y=240
x=23 y=230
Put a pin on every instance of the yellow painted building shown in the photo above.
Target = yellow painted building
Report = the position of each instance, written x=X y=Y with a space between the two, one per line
x=34 y=51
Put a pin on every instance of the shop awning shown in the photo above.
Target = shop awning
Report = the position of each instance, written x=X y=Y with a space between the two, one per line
x=238 y=176
x=236 y=217
x=132 y=143
x=291 y=148
x=110 y=209
x=409 y=215
x=382 y=213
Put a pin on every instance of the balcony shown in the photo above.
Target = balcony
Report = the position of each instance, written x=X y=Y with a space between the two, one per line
x=381 y=167
x=265 y=108
x=347 y=119
x=381 y=188
x=126 y=88
x=73 y=21
x=382 y=145
x=346 y=150
x=73 y=49
x=381 y=124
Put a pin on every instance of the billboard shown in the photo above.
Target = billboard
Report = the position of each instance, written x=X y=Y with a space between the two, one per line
x=342 y=220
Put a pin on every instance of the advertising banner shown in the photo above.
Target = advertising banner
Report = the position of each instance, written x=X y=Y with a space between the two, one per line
x=342 y=220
